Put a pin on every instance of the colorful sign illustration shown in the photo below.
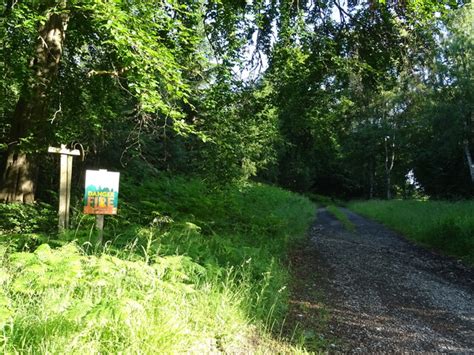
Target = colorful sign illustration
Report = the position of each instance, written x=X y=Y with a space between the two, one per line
x=101 y=194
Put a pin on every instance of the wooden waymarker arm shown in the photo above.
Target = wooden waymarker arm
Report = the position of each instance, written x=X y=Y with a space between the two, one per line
x=65 y=151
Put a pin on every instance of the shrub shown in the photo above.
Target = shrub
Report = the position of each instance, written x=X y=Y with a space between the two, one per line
x=23 y=218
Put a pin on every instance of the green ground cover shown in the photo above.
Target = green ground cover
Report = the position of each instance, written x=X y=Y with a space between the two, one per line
x=185 y=268
x=447 y=227
x=342 y=217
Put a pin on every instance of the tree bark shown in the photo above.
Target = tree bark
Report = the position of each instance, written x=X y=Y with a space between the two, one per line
x=467 y=152
x=389 y=162
x=29 y=121
x=371 y=178
x=469 y=131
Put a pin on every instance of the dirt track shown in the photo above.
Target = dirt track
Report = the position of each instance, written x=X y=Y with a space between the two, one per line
x=379 y=292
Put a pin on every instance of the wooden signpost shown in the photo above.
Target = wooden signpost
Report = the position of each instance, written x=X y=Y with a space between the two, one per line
x=101 y=196
x=64 y=183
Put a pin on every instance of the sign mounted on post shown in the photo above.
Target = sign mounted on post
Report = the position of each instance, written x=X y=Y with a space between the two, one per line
x=101 y=194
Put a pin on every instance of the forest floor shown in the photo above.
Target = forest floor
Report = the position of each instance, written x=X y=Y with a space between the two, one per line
x=372 y=290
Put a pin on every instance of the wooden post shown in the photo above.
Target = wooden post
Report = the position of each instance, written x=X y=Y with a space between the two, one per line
x=99 y=224
x=65 y=174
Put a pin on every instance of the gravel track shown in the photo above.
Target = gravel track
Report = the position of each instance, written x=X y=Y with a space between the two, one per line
x=382 y=292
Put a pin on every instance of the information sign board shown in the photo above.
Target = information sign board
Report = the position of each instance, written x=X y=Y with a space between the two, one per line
x=101 y=194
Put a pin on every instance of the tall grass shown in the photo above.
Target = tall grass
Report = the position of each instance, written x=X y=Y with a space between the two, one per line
x=186 y=268
x=445 y=226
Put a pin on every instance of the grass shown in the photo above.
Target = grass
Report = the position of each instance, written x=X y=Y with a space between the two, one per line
x=342 y=217
x=185 y=268
x=447 y=227
x=322 y=200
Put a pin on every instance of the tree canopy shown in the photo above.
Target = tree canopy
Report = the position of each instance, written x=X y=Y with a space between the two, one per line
x=348 y=98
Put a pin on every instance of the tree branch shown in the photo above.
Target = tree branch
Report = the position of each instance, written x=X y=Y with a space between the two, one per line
x=115 y=73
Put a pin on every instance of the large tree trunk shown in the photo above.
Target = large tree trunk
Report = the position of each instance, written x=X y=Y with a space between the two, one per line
x=29 y=121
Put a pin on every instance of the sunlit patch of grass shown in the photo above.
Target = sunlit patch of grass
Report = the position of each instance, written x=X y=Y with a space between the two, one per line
x=64 y=301
x=185 y=268
x=445 y=226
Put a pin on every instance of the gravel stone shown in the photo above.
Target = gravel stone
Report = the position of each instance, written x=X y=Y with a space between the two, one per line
x=385 y=294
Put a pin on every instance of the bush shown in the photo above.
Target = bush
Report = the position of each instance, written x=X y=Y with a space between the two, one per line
x=22 y=218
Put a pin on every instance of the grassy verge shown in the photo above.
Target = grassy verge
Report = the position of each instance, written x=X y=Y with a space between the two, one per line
x=186 y=268
x=444 y=226
x=342 y=217
x=322 y=200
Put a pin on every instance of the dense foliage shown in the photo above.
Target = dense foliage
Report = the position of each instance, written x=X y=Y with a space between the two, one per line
x=355 y=96
x=185 y=269
x=377 y=95
x=370 y=98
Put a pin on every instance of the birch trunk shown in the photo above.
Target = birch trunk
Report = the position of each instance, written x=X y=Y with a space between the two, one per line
x=389 y=162
x=371 y=178
x=467 y=152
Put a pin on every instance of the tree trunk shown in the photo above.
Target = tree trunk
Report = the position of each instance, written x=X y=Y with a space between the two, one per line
x=389 y=162
x=469 y=131
x=389 y=185
x=371 y=178
x=467 y=152
x=29 y=128
x=18 y=179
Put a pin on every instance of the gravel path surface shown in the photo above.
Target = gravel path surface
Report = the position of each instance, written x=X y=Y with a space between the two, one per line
x=382 y=292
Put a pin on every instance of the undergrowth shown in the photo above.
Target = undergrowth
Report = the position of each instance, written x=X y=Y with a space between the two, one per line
x=185 y=268
x=23 y=219
x=447 y=227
